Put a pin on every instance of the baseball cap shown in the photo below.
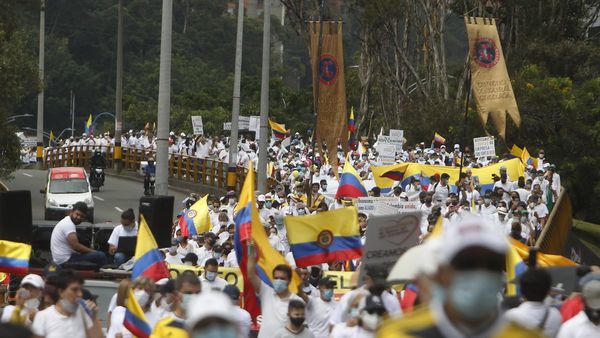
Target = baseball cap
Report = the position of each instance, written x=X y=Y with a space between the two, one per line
x=261 y=198
x=33 y=280
x=327 y=282
x=469 y=232
x=221 y=307
x=232 y=291
x=591 y=294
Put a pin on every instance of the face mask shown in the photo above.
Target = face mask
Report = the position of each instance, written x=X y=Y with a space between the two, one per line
x=301 y=212
x=67 y=306
x=210 y=275
x=214 y=331
x=297 y=321
x=370 y=321
x=165 y=305
x=186 y=300
x=32 y=304
x=324 y=187
x=280 y=285
x=531 y=205
x=354 y=313
x=474 y=294
x=268 y=205
x=327 y=294
x=179 y=238
x=231 y=201
x=217 y=255
x=141 y=296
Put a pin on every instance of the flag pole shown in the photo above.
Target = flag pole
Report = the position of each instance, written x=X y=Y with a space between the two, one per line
x=468 y=99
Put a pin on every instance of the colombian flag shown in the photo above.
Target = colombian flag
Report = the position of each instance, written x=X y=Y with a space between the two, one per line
x=196 y=220
x=515 y=266
x=527 y=159
x=350 y=184
x=88 y=126
x=352 y=130
x=437 y=138
x=386 y=182
x=52 y=141
x=248 y=227
x=324 y=237
x=14 y=257
x=135 y=320
x=278 y=129
x=148 y=260
x=516 y=151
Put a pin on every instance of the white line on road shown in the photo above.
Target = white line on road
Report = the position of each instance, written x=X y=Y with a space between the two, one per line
x=99 y=198
x=28 y=175
x=119 y=209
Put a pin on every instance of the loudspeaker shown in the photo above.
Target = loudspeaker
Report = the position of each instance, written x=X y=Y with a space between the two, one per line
x=158 y=212
x=15 y=216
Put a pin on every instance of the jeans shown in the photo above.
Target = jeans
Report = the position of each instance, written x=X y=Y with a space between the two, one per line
x=96 y=257
x=120 y=258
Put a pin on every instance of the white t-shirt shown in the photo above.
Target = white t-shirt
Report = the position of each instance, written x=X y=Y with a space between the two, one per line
x=531 y=315
x=8 y=312
x=59 y=245
x=218 y=284
x=274 y=310
x=117 y=317
x=49 y=323
x=390 y=302
x=231 y=261
x=318 y=312
x=121 y=231
x=541 y=210
x=173 y=259
x=579 y=327
x=244 y=321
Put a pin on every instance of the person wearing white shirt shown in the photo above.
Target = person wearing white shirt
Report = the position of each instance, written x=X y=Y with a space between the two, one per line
x=67 y=318
x=319 y=309
x=244 y=320
x=587 y=322
x=27 y=301
x=127 y=228
x=202 y=148
x=231 y=260
x=533 y=313
x=206 y=251
x=173 y=257
x=210 y=278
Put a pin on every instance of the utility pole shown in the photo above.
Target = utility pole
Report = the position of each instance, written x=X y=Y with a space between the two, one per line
x=264 y=99
x=40 y=99
x=72 y=114
x=117 y=153
x=164 y=100
x=235 y=111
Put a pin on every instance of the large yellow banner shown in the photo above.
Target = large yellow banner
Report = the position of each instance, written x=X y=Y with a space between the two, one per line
x=329 y=85
x=489 y=78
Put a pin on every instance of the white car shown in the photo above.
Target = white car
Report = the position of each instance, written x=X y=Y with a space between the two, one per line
x=65 y=187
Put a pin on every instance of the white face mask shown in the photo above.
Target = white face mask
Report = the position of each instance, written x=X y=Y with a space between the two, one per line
x=141 y=296
x=32 y=304
x=165 y=305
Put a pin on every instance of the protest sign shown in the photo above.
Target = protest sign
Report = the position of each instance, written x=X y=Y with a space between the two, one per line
x=397 y=134
x=387 y=153
x=227 y=126
x=483 y=147
x=408 y=206
x=378 y=205
x=197 y=125
x=388 y=237
x=390 y=140
x=244 y=123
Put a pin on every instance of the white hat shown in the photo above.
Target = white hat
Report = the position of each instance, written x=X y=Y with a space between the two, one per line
x=457 y=146
x=261 y=198
x=182 y=134
x=33 y=280
x=591 y=294
x=162 y=281
x=471 y=231
x=220 y=307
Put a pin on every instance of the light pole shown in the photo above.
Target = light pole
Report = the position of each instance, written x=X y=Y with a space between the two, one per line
x=119 y=91
x=264 y=99
x=235 y=111
x=40 y=98
x=164 y=100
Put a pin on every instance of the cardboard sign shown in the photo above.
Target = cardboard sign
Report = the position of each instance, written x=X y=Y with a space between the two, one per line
x=390 y=140
x=397 y=134
x=483 y=147
x=387 y=153
x=244 y=123
x=388 y=238
x=227 y=126
x=197 y=125
x=409 y=206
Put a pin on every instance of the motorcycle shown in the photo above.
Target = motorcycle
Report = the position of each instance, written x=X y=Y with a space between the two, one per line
x=96 y=178
x=151 y=178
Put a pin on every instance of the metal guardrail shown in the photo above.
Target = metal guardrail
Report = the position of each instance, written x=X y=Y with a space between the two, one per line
x=182 y=167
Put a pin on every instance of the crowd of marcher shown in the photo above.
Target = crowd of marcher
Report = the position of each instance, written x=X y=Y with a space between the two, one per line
x=462 y=297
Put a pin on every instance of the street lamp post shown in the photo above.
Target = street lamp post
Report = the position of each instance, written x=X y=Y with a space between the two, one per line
x=40 y=98
x=264 y=99
x=119 y=91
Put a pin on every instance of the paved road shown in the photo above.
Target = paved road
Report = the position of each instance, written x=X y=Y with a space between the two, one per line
x=116 y=195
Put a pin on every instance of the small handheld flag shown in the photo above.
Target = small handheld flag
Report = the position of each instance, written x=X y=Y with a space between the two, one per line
x=196 y=220
x=278 y=129
x=437 y=138
x=88 y=126
x=350 y=184
x=148 y=260
x=14 y=257
x=52 y=141
x=135 y=320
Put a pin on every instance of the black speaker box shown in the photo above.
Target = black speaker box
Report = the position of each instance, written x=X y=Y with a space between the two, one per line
x=158 y=212
x=15 y=216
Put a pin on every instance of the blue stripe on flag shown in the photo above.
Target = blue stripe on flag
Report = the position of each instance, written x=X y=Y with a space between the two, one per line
x=339 y=243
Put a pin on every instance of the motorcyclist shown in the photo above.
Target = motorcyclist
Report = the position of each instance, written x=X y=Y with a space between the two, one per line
x=149 y=171
x=98 y=161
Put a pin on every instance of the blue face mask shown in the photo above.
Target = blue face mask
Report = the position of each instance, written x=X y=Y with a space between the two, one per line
x=216 y=331
x=280 y=285
x=268 y=205
x=210 y=275
x=327 y=294
x=217 y=255
x=474 y=294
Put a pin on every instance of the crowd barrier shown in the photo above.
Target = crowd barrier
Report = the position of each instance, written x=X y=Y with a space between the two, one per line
x=208 y=172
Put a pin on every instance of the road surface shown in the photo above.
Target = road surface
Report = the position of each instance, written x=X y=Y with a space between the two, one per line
x=116 y=195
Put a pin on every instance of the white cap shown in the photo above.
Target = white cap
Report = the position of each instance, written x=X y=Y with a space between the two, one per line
x=33 y=280
x=261 y=198
x=162 y=281
x=182 y=134
x=471 y=231
x=457 y=146
x=220 y=307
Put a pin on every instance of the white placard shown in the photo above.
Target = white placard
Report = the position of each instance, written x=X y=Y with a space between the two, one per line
x=387 y=153
x=397 y=134
x=484 y=146
x=244 y=122
x=227 y=126
x=197 y=125
x=254 y=123
x=396 y=142
x=378 y=205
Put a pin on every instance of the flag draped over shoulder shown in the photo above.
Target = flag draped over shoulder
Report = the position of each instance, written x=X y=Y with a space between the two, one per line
x=196 y=220
x=350 y=184
x=278 y=129
x=148 y=260
x=329 y=86
x=491 y=84
x=14 y=257
x=324 y=237
x=135 y=320
x=248 y=227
